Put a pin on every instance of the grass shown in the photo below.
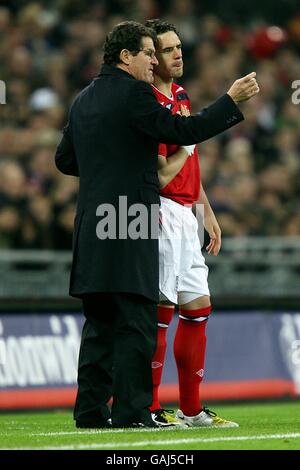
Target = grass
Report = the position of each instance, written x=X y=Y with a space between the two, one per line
x=264 y=426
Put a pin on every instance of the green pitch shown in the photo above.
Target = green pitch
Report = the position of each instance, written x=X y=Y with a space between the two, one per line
x=262 y=426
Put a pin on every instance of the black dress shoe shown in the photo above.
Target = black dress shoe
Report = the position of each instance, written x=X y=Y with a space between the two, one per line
x=149 y=423
x=94 y=425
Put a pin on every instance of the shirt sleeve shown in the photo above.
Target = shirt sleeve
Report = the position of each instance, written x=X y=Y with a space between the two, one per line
x=152 y=119
x=162 y=150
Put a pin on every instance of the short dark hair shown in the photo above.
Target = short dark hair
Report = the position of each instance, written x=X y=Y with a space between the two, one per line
x=125 y=35
x=161 y=26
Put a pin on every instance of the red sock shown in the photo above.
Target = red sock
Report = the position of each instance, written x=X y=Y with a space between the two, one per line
x=164 y=315
x=189 y=352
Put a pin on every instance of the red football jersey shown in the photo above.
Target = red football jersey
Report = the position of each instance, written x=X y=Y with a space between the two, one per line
x=185 y=186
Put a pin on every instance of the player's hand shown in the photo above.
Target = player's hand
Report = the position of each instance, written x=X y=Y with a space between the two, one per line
x=244 y=88
x=213 y=229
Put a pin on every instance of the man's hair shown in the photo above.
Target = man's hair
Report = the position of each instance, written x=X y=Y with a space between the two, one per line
x=126 y=35
x=160 y=26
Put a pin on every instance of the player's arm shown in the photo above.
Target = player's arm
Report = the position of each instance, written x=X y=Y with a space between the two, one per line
x=169 y=167
x=211 y=225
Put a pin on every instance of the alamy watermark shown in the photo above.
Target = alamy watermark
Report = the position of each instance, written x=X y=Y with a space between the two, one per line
x=2 y=92
x=296 y=94
x=149 y=221
x=125 y=221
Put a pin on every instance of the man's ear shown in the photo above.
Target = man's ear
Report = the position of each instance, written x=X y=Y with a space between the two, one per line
x=125 y=56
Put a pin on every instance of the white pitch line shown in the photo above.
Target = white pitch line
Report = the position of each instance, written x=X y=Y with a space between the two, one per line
x=101 y=431
x=166 y=442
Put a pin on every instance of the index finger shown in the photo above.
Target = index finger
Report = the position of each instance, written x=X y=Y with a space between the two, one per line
x=249 y=76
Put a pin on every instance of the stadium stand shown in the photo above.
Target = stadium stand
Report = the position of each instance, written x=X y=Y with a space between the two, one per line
x=51 y=49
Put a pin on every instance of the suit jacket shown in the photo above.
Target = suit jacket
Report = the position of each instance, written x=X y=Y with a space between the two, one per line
x=111 y=142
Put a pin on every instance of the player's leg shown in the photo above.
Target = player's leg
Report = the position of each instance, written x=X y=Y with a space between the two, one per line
x=169 y=256
x=190 y=338
x=165 y=314
x=160 y=415
x=189 y=351
x=195 y=307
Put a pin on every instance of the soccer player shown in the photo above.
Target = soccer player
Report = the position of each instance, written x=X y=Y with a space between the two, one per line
x=183 y=272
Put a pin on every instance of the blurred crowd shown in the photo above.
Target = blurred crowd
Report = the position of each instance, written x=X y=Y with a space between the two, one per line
x=50 y=50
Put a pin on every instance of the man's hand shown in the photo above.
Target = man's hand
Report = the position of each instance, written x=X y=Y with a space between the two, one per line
x=213 y=229
x=184 y=110
x=244 y=88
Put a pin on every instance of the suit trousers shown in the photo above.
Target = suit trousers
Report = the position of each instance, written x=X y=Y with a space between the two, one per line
x=117 y=344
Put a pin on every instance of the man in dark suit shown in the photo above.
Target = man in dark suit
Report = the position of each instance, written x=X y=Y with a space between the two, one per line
x=111 y=142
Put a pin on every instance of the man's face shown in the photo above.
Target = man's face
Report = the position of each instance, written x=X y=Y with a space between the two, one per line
x=141 y=66
x=169 y=56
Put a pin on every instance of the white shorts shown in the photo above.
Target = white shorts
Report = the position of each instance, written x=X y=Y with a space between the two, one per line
x=182 y=269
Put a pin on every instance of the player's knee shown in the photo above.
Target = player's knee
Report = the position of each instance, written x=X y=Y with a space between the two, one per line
x=164 y=315
x=199 y=302
x=196 y=315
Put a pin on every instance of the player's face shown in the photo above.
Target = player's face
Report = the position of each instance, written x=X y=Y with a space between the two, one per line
x=142 y=64
x=169 y=55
